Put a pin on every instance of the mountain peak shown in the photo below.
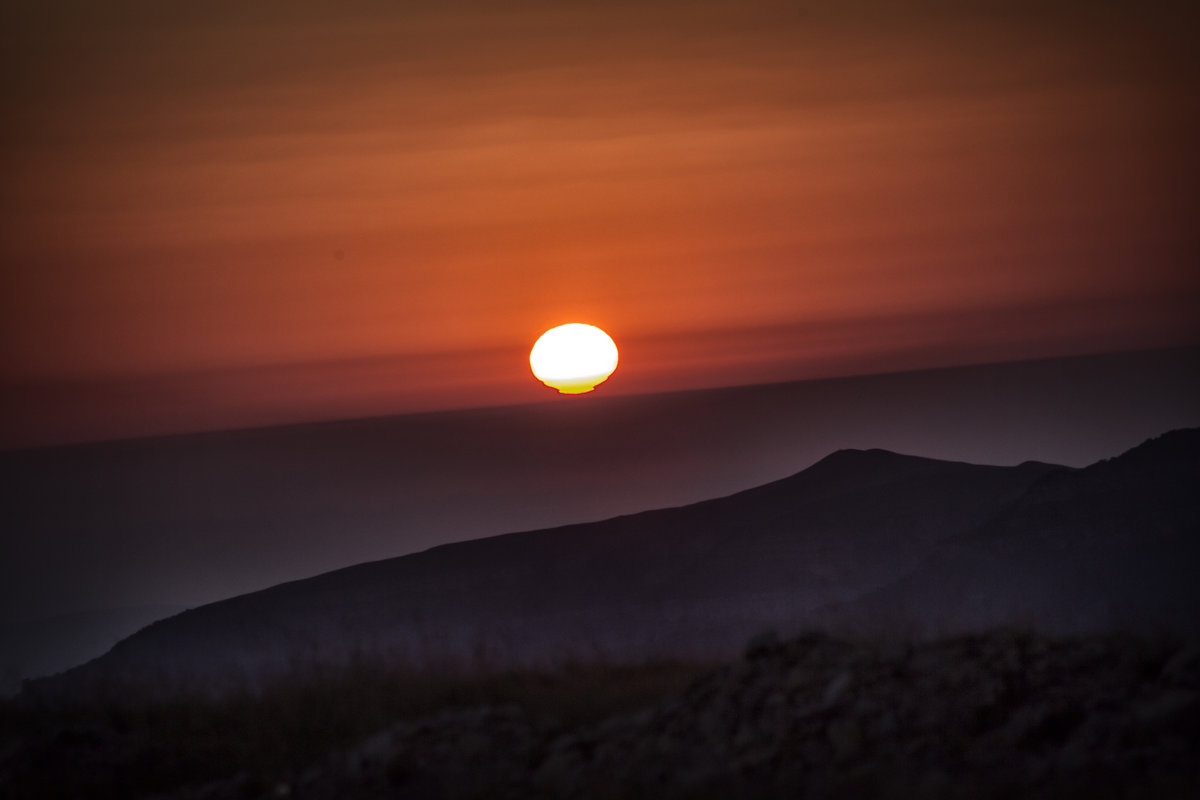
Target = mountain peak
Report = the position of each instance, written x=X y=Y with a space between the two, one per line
x=853 y=458
x=848 y=453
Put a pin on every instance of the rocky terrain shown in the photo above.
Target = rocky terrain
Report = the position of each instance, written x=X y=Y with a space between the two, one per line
x=1005 y=715
x=1001 y=715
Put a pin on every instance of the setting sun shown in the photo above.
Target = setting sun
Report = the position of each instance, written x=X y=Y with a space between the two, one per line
x=573 y=358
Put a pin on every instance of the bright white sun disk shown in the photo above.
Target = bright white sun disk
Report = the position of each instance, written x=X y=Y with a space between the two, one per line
x=573 y=358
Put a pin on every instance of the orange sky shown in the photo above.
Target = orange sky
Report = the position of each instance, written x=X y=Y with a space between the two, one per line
x=252 y=212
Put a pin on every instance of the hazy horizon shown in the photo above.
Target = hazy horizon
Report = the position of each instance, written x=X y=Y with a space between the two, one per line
x=183 y=520
x=132 y=402
x=245 y=214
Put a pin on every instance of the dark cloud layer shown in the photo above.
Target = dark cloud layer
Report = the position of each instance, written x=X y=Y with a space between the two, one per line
x=737 y=191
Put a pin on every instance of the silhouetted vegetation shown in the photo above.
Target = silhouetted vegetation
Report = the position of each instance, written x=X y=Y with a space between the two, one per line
x=1004 y=714
x=124 y=747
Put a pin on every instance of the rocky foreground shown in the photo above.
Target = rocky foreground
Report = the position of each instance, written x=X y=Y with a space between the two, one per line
x=1001 y=715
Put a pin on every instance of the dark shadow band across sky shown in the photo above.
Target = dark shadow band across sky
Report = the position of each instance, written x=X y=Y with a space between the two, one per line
x=187 y=519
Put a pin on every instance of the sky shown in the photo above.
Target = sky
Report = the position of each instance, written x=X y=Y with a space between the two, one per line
x=241 y=213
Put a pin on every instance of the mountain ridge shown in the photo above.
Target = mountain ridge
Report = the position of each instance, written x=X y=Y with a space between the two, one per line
x=822 y=547
x=1108 y=532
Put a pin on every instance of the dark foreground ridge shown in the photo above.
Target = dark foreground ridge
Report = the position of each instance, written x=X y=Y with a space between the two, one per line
x=992 y=716
x=998 y=715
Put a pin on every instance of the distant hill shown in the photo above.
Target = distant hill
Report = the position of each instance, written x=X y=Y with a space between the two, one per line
x=46 y=646
x=192 y=519
x=862 y=539
x=1113 y=546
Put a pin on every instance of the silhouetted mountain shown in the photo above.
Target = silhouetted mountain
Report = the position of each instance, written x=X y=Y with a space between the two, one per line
x=46 y=646
x=862 y=538
x=192 y=519
x=1114 y=545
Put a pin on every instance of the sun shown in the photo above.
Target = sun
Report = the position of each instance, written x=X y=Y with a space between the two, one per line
x=573 y=358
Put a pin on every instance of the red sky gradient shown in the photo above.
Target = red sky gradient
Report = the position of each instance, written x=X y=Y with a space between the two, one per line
x=242 y=213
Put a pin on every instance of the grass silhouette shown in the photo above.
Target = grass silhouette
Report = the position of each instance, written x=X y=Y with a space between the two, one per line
x=123 y=746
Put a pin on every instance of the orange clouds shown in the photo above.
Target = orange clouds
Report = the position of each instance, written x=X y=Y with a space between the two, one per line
x=235 y=189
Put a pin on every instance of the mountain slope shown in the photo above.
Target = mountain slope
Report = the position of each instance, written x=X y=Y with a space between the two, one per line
x=1114 y=545
x=43 y=647
x=689 y=581
x=188 y=520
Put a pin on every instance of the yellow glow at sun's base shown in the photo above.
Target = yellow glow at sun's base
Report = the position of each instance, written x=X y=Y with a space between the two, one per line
x=581 y=386
x=573 y=358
